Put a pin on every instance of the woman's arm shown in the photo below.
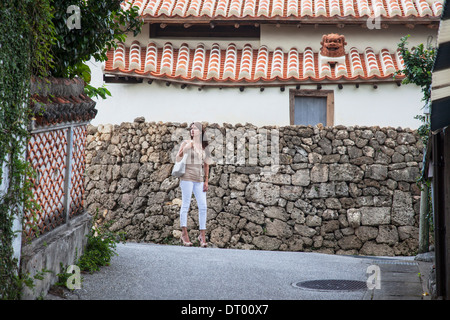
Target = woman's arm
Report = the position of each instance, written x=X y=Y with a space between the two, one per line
x=183 y=148
x=205 y=183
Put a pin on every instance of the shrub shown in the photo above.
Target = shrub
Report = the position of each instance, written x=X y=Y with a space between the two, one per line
x=100 y=248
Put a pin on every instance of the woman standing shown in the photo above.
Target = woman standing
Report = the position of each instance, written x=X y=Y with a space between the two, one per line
x=195 y=179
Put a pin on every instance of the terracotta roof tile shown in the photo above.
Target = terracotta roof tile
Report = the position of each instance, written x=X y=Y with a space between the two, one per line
x=269 y=9
x=277 y=8
x=214 y=62
x=194 y=8
x=371 y=62
x=306 y=8
x=180 y=7
x=292 y=8
x=229 y=69
x=208 y=7
x=363 y=8
x=277 y=64
x=167 y=6
x=394 y=8
x=151 y=58
x=293 y=64
x=356 y=64
x=198 y=63
x=409 y=8
x=263 y=8
x=325 y=70
x=437 y=8
x=423 y=8
x=341 y=70
x=183 y=61
x=262 y=61
x=348 y=6
x=320 y=8
x=246 y=62
x=387 y=63
x=308 y=63
x=230 y=64
x=151 y=8
x=119 y=56
x=335 y=8
x=50 y=105
x=235 y=8
x=135 y=56
x=399 y=59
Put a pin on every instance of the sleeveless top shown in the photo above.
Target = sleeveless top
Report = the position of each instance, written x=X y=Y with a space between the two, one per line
x=194 y=164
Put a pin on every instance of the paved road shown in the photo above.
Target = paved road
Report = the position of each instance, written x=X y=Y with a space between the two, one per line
x=162 y=272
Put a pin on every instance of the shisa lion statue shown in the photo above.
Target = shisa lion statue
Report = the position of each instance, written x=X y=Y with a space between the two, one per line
x=333 y=45
x=332 y=50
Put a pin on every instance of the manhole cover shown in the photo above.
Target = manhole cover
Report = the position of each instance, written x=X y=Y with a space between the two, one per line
x=332 y=285
x=406 y=263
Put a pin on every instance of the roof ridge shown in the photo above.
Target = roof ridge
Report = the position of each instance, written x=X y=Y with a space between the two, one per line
x=276 y=9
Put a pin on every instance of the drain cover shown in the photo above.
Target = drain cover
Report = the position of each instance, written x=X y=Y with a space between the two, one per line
x=406 y=263
x=331 y=285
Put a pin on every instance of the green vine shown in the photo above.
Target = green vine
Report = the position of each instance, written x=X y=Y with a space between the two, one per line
x=419 y=62
x=35 y=41
x=18 y=60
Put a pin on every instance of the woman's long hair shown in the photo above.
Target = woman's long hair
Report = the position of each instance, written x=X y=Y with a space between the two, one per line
x=202 y=128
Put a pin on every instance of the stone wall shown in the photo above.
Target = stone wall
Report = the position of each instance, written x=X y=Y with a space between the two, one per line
x=343 y=190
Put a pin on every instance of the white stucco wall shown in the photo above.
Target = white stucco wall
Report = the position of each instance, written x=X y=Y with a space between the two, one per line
x=17 y=223
x=289 y=36
x=389 y=105
x=4 y=182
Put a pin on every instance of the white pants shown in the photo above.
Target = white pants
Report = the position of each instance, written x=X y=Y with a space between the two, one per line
x=187 y=187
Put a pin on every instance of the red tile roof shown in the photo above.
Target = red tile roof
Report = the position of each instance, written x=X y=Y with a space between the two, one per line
x=248 y=65
x=269 y=9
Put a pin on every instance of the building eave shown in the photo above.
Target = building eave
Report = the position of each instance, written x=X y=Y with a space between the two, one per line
x=123 y=77
x=432 y=22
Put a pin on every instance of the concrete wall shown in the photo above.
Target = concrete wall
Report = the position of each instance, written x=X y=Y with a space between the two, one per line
x=63 y=245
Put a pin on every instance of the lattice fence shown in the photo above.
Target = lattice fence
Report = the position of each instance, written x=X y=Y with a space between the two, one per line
x=58 y=157
x=77 y=172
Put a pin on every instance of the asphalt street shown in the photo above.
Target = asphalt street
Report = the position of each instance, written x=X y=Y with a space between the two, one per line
x=169 y=272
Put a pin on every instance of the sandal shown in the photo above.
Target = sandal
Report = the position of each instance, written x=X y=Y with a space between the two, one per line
x=202 y=244
x=185 y=243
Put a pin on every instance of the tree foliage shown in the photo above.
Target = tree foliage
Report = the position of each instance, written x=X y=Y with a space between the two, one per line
x=418 y=63
x=102 y=23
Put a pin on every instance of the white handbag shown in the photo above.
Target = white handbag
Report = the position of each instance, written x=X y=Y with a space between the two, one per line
x=179 y=167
